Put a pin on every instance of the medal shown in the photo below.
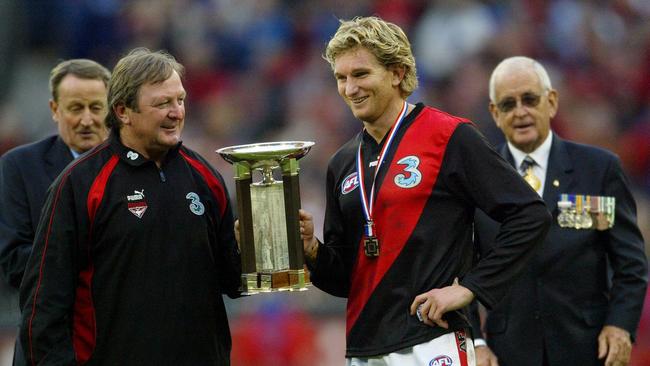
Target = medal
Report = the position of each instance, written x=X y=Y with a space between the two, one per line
x=370 y=241
x=371 y=246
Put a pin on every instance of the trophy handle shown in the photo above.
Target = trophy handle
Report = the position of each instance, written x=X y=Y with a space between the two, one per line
x=298 y=277
x=243 y=180
x=291 y=185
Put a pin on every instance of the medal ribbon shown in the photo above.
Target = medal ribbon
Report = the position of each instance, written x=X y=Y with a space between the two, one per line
x=368 y=204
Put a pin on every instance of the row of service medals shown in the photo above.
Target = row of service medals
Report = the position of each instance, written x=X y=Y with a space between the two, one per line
x=586 y=212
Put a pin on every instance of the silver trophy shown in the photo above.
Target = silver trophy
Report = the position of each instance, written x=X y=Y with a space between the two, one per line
x=269 y=226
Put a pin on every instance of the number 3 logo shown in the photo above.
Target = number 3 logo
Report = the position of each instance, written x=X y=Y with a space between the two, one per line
x=196 y=206
x=414 y=177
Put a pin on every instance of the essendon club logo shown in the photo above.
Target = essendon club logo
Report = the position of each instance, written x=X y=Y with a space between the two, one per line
x=350 y=183
x=136 y=203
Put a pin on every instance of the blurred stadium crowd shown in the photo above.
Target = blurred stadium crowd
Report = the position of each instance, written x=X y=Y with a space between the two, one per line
x=254 y=73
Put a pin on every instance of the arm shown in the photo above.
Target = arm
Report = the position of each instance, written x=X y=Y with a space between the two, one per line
x=226 y=248
x=477 y=176
x=48 y=288
x=330 y=263
x=486 y=181
x=625 y=248
x=228 y=258
x=16 y=226
x=484 y=355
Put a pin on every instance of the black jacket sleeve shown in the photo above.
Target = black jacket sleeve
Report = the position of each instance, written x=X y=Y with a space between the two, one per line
x=228 y=258
x=626 y=252
x=48 y=288
x=334 y=260
x=226 y=251
x=486 y=180
x=16 y=227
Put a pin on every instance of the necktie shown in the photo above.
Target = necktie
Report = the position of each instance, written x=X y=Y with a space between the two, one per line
x=526 y=170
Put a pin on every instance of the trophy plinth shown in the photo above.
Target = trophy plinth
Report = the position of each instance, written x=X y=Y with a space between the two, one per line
x=269 y=226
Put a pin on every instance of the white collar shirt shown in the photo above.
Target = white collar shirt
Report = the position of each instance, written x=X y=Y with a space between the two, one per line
x=540 y=155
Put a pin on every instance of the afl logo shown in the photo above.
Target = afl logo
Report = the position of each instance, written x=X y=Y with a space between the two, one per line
x=441 y=361
x=350 y=183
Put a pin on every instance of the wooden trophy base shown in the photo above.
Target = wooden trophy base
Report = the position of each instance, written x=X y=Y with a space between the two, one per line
x=286 y=280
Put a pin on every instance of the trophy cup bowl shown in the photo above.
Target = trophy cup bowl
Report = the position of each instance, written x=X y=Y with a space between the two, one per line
x=266 y=152
x=269 y=227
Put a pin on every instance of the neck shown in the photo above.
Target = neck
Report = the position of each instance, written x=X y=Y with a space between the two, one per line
x=380 y=127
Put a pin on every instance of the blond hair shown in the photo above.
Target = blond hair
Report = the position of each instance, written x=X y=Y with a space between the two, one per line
x=385 y=40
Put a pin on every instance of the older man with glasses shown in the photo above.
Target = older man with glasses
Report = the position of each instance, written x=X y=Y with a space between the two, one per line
x=580 y=298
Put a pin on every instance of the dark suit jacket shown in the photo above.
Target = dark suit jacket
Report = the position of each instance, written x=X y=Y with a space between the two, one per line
x=26 y=173
x=579 y=280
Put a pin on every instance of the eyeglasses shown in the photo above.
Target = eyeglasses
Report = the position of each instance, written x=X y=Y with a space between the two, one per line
x=510 y=103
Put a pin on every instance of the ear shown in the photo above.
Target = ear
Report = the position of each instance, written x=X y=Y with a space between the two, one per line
x=54 y=107
x=553 y=102
x=123 y=113
x=494 y=111
x=398 y=72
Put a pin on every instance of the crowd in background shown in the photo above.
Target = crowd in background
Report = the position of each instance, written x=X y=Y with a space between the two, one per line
x=255 y=73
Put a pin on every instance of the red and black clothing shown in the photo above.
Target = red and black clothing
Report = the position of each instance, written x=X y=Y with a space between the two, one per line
x=129 y=263
x=424 y=228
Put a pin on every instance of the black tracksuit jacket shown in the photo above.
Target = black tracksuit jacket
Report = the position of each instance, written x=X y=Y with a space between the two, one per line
x=130 y=263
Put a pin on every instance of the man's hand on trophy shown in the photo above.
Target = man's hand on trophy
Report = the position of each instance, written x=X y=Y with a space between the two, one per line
x=237 y=234
x=309 y=242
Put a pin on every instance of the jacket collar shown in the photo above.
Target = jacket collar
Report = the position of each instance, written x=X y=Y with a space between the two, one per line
x=558 y=172
x=57 y=157
x=133 y=157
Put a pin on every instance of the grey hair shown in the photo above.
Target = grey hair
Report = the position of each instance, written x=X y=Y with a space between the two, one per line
x=519 y=61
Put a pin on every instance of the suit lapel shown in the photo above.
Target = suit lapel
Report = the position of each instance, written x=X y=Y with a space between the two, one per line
x=505 y=152
x=558 y=171
x=56 y=158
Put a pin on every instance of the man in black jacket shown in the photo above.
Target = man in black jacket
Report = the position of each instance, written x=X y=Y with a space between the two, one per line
x=580 y=299
x=135 y=246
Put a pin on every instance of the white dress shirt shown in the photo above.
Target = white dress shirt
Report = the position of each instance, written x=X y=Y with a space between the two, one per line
x=540 y=155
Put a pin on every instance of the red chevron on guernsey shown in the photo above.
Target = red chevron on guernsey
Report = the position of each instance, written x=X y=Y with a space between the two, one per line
x=397 y=210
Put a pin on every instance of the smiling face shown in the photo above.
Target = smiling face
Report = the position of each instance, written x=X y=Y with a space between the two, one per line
x=370 y=89
x=156 y=125
x=79 y=112
x=523 y=108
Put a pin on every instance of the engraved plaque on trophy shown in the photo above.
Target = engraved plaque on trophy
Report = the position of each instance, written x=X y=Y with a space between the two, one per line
x=269 y=226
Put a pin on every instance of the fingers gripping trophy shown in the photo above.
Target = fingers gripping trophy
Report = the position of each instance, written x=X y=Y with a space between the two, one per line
x=271 y=247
